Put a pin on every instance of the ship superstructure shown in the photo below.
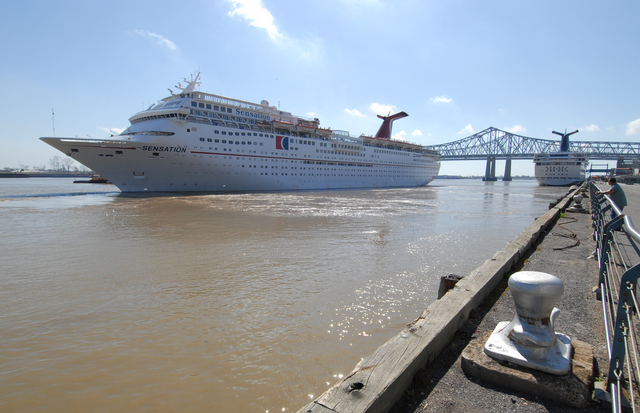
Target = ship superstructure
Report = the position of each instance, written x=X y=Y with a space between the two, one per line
x=561 y=168
x=194 y=141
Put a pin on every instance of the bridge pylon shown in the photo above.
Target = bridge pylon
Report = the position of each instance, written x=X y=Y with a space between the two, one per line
x=490 y=171
x=507 y=171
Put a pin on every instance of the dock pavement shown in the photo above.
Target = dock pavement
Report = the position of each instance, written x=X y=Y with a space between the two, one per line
x=444 y=387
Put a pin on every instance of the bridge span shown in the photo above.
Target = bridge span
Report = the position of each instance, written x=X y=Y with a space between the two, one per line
x=492 y=144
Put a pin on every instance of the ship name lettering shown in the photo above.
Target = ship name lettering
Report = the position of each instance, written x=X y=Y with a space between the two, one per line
x=165 y=148
x=253 y=115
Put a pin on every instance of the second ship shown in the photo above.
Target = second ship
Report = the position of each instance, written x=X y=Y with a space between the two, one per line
x=199 y=142
x=562 y=168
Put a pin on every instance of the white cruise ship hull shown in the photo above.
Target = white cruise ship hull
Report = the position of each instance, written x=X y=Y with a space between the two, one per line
x=560 y=169
x=162 y=165
x=195 y=141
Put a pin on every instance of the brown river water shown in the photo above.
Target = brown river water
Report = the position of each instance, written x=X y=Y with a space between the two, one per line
x=224 y=303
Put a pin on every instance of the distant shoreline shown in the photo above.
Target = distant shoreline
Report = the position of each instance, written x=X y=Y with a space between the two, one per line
x=89 y=174
x=45 y=175
x=480 y=177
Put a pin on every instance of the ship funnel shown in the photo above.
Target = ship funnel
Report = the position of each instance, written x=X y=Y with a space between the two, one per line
x=385 y=129
x=564 y=141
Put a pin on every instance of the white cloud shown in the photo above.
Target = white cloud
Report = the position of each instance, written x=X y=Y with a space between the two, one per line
x=591 y=128
x=257 y=15
x=312 y=114
x=516 y=129
x=400 y=136
x=383 y=110
x=310 y=50
x=354 y=112
x=633 y=127
x=113 y=131
x=467 y=129
x=416 y=132
x=159 y=39
x=441 y=99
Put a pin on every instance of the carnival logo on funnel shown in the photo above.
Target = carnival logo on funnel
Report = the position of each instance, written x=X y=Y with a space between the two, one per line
x=282 y=142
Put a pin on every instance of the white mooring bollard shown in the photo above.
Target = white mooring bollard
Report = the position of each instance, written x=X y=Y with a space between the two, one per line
x=530 y=340
x=577 y=204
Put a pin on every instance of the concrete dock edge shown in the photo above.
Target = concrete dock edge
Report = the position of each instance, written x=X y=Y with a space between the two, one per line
x=380 y=379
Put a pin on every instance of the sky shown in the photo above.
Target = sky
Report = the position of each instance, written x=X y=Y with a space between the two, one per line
x=457 y=67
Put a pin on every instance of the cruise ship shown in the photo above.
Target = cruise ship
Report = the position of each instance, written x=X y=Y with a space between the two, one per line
x=193 y=141
x=563 y=167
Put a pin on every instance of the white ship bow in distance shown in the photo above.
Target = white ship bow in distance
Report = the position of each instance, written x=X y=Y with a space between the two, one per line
x=561 y=168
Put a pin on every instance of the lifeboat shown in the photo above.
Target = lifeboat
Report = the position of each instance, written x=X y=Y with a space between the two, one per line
x=324 y=131
x=313 y=127
x=281 y=124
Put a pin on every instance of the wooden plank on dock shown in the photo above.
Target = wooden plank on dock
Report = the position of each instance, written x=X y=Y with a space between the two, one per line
x=380 y=379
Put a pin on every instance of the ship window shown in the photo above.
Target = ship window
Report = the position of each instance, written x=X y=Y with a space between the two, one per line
x=201 y=105
x=261 y=135
x=209 y=140
x=228 y=110
x=194 y=104
x=208 y=106
x=216 y=131
x=244 y=143
x=74 y=150
x=216 y=107
x=117 y=152
x=217 y=140
x=222 y=108
x=237 y=133
x=243 y=134
x=223 y=141
x=156 y=154
x=224 y=133
x=202 y=139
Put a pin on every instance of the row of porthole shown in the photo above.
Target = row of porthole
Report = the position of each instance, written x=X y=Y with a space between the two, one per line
x=231 y=142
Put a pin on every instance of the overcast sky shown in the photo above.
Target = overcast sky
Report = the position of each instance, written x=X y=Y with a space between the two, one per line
x=456 y=67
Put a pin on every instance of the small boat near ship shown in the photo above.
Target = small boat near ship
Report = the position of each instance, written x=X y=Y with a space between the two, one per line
x=95 y=179
x=562 y=168
x=193 y=141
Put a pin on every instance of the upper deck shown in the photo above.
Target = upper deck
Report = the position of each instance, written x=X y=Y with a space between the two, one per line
x=206 y=108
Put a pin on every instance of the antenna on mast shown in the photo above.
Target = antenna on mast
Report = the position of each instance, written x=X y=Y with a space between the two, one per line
x=190 y=84
x=53 y=122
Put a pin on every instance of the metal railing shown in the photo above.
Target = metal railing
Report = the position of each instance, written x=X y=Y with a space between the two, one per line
x=617 y=243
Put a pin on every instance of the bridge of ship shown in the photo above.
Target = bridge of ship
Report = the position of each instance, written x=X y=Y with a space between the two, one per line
x=493 y=144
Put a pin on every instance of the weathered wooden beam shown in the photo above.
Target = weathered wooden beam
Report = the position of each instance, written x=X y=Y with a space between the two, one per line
x=380 y=379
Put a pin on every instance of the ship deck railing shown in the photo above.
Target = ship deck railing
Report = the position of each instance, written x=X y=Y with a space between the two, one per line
x=270 y=110
x=618 y=254
x=342 y=134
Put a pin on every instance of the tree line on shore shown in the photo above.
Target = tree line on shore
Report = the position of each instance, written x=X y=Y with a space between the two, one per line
x=57 y=164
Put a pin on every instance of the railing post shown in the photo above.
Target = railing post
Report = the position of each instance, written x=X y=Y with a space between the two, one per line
x=625 y=306
x=605 y=241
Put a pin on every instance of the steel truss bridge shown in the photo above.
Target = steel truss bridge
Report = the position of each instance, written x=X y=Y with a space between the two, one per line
x=492 y=144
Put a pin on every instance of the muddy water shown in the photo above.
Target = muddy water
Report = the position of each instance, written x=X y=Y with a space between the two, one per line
x=224 y=303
